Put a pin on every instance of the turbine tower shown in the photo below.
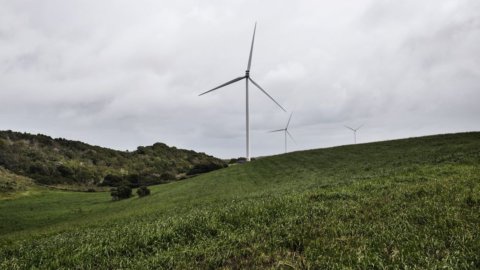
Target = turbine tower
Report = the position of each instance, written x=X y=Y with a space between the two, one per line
x=285 y=130
x=354 y=132
x=247 y=80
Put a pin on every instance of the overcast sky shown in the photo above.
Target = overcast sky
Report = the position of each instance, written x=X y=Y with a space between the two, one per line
x=125 y=73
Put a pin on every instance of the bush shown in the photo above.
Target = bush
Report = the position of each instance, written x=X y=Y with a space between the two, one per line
x=121 y=192
x=39 y=168
x=205 y=167
x=65 y=171
x=143 y=191
x=112 y=180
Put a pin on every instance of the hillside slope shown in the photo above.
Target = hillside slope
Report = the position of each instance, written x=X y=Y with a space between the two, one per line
x=410 y=203
x=12 y=183
x=55 y=161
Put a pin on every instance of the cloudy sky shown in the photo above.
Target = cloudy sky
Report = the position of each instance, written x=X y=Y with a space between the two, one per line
x=126 y=73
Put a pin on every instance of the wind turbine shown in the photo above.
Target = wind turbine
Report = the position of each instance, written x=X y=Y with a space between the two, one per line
x=285 y=130
x=247 y=80
x=354 y=132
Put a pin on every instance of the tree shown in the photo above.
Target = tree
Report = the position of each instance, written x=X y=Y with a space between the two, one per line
x=112 y=180
x=133 y=180
x=65 y=171
x=143 y=191
x=121 y=192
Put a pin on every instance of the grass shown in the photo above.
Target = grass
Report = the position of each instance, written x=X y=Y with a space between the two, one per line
x=12 y=185
x=411 y=203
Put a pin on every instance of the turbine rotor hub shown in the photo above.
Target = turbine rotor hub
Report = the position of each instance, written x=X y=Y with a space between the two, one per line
x=247 y=73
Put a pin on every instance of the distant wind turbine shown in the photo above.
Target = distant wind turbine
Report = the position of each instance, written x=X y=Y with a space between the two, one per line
x=354 y=132
x=247 y=79
x=285 y=130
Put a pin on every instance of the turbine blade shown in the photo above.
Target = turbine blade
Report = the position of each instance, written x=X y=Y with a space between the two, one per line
x=359 y=127
x=277 y=130
x=291 y=137
x=251 y=48
x=265 y=92
x=225 y=84
x=350 y=128
x=288 y=123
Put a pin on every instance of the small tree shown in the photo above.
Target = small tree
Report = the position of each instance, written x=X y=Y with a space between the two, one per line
x=112 y=180
x=143 y=191
x=121 y=192
x=65 y=171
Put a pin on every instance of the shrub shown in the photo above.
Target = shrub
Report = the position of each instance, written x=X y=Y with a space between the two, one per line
x=112 y=180
x=65 y=171
x=143 y=191
x=241 y=160
x=205 y=167
x=121 y=192
x=39 y=168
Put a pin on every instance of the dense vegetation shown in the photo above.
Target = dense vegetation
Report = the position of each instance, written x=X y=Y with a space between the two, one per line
x=408 y=204
x=61 y=161
x=121 y=192
x=143 y=191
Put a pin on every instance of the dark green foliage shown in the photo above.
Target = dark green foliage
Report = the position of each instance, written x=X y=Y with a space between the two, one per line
x=237 y=160
x=65 y=171
x=143 y=191
x=124 y=191
x=134 y=180
x=206 y=167
x=38 y=168
x=60 y=161
x=112 y=180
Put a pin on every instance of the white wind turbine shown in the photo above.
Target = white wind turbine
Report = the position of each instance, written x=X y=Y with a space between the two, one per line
x=354 y=132
x=285 y=130
x=247 y=79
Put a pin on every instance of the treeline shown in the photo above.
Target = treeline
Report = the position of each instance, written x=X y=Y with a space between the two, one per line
x=60 y=161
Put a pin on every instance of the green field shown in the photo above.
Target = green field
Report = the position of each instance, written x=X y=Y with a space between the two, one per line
x=410 y=204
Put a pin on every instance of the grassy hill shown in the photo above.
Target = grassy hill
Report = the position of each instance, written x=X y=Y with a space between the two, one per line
x=11 y=184
x=60 y=161
x=410 y=203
